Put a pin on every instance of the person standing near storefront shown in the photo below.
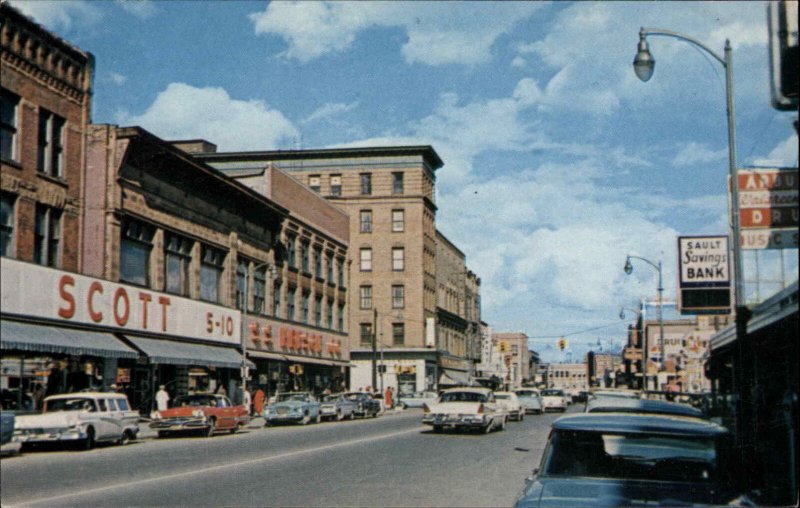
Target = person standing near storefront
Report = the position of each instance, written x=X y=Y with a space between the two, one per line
x=258 y=401
x=387 y=397
x=162 y=398
x=247 y=401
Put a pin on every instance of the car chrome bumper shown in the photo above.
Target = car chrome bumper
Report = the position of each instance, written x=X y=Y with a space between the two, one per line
x=455 y=422
x=49 y=437
x=169 y=424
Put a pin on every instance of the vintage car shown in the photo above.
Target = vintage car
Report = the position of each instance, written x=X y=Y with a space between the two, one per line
x=293 y=407
x=337 y=407
x=465 y=408
x=621 y=459
x=416 y=399
x=203 y=413
x=83 y=419
x=366 y=405
x=554 y=400
x=628 y=405
x=513 y=407
x=7 y=419
x=530 y=400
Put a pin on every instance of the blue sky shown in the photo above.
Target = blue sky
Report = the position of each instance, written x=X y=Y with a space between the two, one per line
x=558 y=160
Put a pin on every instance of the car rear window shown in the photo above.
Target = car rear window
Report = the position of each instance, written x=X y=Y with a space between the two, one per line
x=463 y=397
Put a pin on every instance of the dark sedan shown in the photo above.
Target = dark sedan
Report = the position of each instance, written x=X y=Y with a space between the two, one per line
x=365 y=405
x=616 y=459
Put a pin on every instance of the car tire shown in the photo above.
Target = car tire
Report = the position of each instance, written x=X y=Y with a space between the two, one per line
x=212 y=427
x=403 y=405
x=489 y=427
x=437 y=428
x=234 y=429
x=89 y=442
x=162 y=434
x=126 y=437
x=305 y=419
x=318 y=418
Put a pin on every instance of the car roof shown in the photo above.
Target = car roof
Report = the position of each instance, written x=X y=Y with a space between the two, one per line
x=620 y=394
x=85 y=394
x=629 y=423
x=624 y=405
x=473 y=389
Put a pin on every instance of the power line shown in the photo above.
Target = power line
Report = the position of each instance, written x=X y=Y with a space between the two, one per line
x=548 y=337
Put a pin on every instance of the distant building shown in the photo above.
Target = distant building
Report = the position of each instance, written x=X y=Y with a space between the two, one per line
x=568 y=376
x=516 y=356
x=601 y=369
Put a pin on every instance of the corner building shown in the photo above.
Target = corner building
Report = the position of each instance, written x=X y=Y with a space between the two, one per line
x=388 y=194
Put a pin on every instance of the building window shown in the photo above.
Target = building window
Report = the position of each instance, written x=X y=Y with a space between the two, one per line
x=318 y=311
x=304 y=297
x=177 y=263
x=134 y=253
x=366 y=334
x=329 y=315
x=259 y=290
x=398 y=334
x=7 y=225
x=47 y=236
x=313 y=183
x=211 y=266
x=340 y=318
x=9 y=104
x=291 y=293
x=398 y=259
x=366 y=297
x=397 y=183
x=366 y=184
x=291 y=253
x=50 y=154
x=276 y=299
x=366 y=259
x=318 y=263
x=336 y=185
x=340 y=270
x=304 y=252
x=398 y=296
x=398 y=221
x=241 y=283
x=366 y=221
x=329 y=266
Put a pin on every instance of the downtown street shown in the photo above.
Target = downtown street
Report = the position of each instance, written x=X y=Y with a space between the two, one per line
x=388 y=461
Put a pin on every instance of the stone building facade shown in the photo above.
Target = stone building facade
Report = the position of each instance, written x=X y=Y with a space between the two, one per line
x=516 y=356
x=570 y=377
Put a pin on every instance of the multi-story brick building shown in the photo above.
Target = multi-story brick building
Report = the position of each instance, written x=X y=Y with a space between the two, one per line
x=388 y=193
x=570 y=377
x=516 y=356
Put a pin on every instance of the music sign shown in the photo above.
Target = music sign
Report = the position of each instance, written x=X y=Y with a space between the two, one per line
x=768 y=209
x=705 y=280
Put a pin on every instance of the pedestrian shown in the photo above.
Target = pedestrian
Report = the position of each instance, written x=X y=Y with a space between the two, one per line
x=387 y=397
x=258 y=401
x=247 y=401
x=38 y=396
x=162 y=398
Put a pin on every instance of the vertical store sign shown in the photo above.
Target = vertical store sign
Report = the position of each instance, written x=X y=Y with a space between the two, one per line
x=768 y=208
x=705 y=278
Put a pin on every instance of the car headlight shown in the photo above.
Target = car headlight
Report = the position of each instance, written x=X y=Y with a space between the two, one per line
x=155 y=415
x=198 y=413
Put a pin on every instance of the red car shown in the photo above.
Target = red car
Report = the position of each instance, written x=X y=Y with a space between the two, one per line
x=205 y=413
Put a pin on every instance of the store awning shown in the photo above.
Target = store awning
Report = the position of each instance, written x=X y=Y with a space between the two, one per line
x=182 y=353
x=451 y=377
x=36 y=338
x=297 y=359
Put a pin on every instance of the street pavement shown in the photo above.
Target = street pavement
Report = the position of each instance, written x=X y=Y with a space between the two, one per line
x=389 y=461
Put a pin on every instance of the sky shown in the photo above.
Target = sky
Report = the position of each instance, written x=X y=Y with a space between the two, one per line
x=558 y=161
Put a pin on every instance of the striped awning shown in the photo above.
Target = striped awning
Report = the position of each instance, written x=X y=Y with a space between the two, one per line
x=38 y=338
x=183 y=353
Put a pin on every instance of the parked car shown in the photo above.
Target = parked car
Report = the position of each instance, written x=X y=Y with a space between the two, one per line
x=204 y=413
x=293 y=407
x=6 y=426
x=628 y=405
x=530 y=400
x=613 y=394
x=617 y=459
x=554 y=400
x=337 y=407
x=465 y=408
x=511 y=403
x=365 y=405
x=83 y=418
x=416 y=399
x=10 y=399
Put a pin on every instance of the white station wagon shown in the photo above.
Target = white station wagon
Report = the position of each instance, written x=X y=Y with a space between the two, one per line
x=83 y=418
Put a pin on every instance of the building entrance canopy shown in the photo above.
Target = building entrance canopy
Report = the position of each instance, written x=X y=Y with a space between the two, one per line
x=39 y=338
x=182 y=353
x=450 y=377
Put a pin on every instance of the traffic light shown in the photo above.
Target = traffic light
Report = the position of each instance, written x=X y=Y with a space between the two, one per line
x=503 y=346
x=562 y=343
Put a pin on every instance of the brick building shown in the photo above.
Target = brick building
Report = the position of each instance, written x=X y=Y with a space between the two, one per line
x=569 y=377
x=516 y=356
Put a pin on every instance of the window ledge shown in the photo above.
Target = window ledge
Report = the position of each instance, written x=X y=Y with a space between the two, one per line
x=12 y=163
x=55 y=179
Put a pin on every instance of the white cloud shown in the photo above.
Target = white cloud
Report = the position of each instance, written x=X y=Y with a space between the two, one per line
x=183 y=111
x=437 y=32
x=697 y=153
x=116 y=78
x=60 y=15
x=328 y=110
x=785 y=154
x=518 y=62
x=142 y=9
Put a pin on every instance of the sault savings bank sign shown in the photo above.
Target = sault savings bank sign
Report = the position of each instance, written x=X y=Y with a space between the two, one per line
x=35 y=291
x=705 y=280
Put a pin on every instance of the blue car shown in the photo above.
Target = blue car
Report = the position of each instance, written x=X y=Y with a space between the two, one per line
x=6 y=426
x=293 y=407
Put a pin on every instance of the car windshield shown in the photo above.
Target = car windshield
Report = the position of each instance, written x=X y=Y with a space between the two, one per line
x=552 y=393
x=76 y=404
x=526 y=393
x=463 y=397
x=633 y=457
x=331 y=398
x=502 y=397
x=301 y=397
x=196 y=400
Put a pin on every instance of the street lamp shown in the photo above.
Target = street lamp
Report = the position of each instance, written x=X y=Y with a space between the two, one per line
x=643 y=66
x=244 y=320
x=629 y=269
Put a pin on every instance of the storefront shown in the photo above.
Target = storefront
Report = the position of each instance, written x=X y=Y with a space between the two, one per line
x=87 y=333
x=292 y=357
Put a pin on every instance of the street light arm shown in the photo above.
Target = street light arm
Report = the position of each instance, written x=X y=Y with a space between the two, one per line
x=654 y=265
x=670 y=33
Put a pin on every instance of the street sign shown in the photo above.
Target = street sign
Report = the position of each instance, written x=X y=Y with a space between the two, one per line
x=705 y=278
x=768 y=209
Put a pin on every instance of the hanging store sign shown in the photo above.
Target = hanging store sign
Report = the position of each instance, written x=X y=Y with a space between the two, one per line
x=705 y=279
x=768 y=209
x=37 y=291
x=271 y=335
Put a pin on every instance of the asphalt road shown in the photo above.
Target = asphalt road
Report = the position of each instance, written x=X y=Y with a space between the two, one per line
x=389 y=461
